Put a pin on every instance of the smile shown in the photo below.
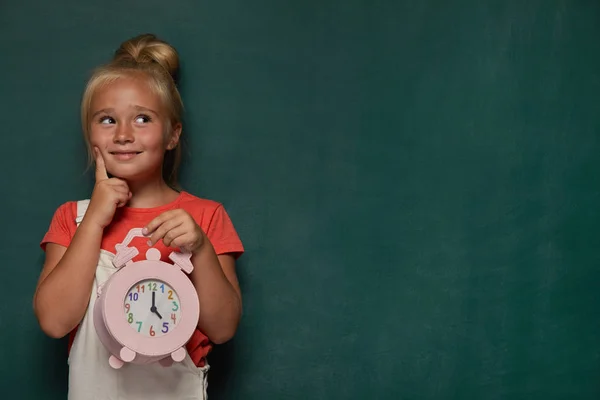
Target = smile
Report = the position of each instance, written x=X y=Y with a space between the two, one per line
x=124 y=155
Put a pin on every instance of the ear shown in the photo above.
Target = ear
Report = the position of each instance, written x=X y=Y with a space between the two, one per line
x=174 y=139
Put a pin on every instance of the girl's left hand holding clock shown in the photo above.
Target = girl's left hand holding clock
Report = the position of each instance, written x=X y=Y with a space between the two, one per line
x=176 y=228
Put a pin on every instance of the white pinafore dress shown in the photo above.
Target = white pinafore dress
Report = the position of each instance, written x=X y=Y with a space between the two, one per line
x=92 y=378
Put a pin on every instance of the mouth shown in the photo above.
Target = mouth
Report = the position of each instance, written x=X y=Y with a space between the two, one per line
x=124 y=155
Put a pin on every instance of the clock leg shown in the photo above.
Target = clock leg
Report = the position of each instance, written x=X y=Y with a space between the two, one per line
x=115 y=362
x=127 y=354
x=178 y=355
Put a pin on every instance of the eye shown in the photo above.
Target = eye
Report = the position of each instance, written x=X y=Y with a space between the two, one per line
x=142 y=119
x=106 y=120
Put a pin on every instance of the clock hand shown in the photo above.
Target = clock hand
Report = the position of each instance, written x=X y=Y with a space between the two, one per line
x=153 y=308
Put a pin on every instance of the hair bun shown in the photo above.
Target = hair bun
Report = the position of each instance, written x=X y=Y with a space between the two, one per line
x=147 y=48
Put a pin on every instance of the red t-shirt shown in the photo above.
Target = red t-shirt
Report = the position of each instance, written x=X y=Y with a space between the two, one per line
x=209 y=215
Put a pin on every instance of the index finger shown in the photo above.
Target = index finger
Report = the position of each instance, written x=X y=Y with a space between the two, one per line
x=101 y=173
x=155 y=223
x=158 y=221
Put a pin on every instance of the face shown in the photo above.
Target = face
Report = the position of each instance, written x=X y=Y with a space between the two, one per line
x=129 y=127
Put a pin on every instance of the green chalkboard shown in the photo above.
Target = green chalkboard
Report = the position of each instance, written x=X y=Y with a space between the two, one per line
x=416 y=184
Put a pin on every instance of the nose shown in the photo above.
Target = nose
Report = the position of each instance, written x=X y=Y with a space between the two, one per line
x=123 y=134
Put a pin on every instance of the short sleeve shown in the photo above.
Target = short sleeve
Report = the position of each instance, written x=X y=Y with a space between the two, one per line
x=223 y=235
x=62 y=226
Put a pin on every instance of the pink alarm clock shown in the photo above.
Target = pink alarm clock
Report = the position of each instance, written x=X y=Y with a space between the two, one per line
x=147 y=310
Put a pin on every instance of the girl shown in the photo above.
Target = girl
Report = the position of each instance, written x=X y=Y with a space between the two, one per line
x=131 y=119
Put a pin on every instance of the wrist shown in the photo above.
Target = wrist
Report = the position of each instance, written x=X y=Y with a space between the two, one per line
x=204 y=248
x=90 y=227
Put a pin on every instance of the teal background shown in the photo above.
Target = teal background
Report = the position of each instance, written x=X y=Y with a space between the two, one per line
x=415 y=183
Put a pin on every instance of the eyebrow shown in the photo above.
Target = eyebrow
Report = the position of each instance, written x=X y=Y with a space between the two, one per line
x=112 y=110
x=140 y=108
x=103 y=111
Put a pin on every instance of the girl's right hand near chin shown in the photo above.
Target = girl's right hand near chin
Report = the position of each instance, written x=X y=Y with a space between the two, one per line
x=108 y=194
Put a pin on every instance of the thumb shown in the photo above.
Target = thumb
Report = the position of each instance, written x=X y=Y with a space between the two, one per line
x=101 y=173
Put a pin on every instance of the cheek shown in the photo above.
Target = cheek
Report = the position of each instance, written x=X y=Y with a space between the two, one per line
x=94 y=142
x=99 y=138
x=152 y=144
x=154 y=141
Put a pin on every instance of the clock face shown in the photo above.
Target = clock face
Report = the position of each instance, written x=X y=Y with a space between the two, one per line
x=152 y=308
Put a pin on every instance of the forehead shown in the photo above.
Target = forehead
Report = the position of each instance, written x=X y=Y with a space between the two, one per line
x=126 y=93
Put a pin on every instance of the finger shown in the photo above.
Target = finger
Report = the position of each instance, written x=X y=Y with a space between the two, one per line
x=185 y=242
x=101 y=173
x=163 y=230
x=122 y=195
x=120 y=184
x=158 y=221
x=117 y=185
x=122 y=198
x=117 y=182
x=174 y=235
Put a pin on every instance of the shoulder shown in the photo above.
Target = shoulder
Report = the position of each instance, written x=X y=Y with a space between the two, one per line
x=63 y=225
x=66 y=212
x=201 y=209
x=193 y=202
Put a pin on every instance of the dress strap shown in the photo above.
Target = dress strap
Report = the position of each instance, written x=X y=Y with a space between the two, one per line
x=82 y=206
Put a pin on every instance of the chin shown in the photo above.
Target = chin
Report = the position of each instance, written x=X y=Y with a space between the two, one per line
x=125 y=173
x=132 y=172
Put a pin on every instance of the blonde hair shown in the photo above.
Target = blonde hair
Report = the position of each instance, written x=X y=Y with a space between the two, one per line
x=158 y=62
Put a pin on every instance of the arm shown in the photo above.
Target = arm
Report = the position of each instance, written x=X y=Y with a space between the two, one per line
x=219 y=293
x=71 y=270
x=67 y=270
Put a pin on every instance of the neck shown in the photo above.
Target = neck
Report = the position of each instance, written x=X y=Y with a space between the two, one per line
x=150 y=193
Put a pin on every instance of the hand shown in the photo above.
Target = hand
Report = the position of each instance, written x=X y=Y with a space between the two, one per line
x=108 y=194
x=176 y=228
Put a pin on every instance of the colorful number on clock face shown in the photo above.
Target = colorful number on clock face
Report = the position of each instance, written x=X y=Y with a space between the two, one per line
x=152 y=308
